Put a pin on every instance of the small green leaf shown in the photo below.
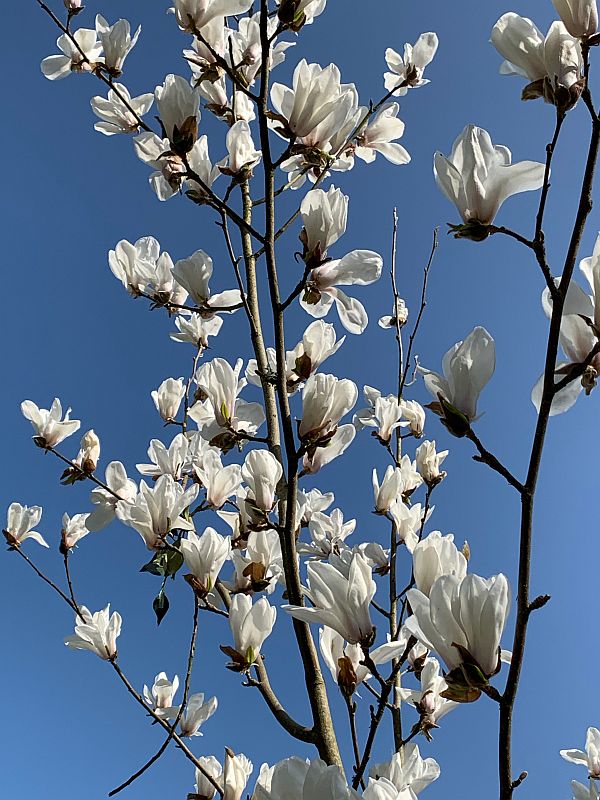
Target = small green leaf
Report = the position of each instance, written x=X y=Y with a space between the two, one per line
x=173 y=562
x=160 y=605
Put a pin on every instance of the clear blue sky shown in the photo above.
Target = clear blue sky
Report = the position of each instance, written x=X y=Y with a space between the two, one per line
x=68 y=329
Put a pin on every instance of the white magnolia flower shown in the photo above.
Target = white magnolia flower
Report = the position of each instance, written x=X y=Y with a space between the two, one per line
x=196 y=713
x=194 y=329
x=117 y=42
x=243 y=155
x=20 y=522
x=220 y=482
x=580 y=17
x=414 y=414
x=166 y=461
x=428 y=698
x=411 y=478
x=383 y=413
x=360 y=268
x=340 y=602
x=295 y=779
x=193 y=15
x=304 y=11
x=408 y=521
x=261 y=567
x=73 y=5
x=236 y=772
x=318 y=343
x=343 y=660
x=327 y=533
x=250 y=625
x=479 y=176
x=134 y=264
x=324 y=217
x=383 y=789
x=407 y=72
x=168 y=397
x=157 y=511
x=98 y=633
x=179 y=111
x=73 y=529
x=57 y=67
x=49 y=426
x=204 y=556
x=380 y=137
x=467 y=367
x=326 y=452
x=428 y=462
x=312 y=501
x=434 y=556
x=408 y=769
x=89 y=452
x=261 y=471
x=589 y=792
x=204 y=788
x=400 y=314
x=171 y=172
x=462 y=615
x=553 y=64
x=246 y=49
x=160 y=696
x=392 y=488
x=577 y=337
x=325 y=400
x=122 y=489
x=114 y=114
x=590 y=758
x=194 y=274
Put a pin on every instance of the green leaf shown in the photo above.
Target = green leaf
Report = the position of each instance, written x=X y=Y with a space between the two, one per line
x=157 y=565
x=174 y=562
x=160 y=605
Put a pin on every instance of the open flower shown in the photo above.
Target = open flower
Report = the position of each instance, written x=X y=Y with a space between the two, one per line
x=408 y=769
x=160 y=696
x=80 y=57
x=196 y=713
x=117 y=42
x=434 y=556
x=428 y=462
x=220 y=482
x=479 y=176
x=114 y=114
x=324 y=217
x=49 y=426
x=325 y=400
x=122 y=489
x=194 y=274
x=204 y=556
x=192 y=15
x=73 y=529
x=236 y=771
x=20 y=522
x=342 y=660
x=340 y=602
x=467 y=367
x=179 y=111
x=589 y=792
x=166 y=461
x=392 y=488
x=242 y=154
x=204 y=788
x=296 y=779
x=380 y=137
x=429 y=699
x=407 y=72
x=98 y=633
x=168 y=397
x=250 y=625
x=590 y=758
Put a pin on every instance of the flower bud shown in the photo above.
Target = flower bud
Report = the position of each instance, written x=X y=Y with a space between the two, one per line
x=73 y=6
x=89 y=452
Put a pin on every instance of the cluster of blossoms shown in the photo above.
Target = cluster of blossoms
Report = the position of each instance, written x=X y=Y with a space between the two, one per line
x=272 y=543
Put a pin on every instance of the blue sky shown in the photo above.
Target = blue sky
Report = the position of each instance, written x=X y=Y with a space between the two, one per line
x=68 y=329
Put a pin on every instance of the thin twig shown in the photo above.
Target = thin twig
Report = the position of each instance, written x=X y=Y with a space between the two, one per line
x=351 y=708
x=490 y=459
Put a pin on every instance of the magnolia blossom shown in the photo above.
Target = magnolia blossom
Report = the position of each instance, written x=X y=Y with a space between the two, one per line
x=246 y=49
x=590 y=758
x=342 y=660
x=168 y=397
x=380 y=137
x=467 y=367
x=414 y=414
x=132 y=264
x=463 y=617
x=325 y=400
x=304 y=11
x=262 y=472
x=204 y=788
x=411 y=478
x=341 y=603
x=179 y=111
x=89 y=453
x=479 y=176
x=324 y=216
x=74 y=6
x=194 y=329
x=327 y=532
x=408 y=521
x=383 y=413
x=122 y=489
x=117 y=42
x=49 y=426
x=581 y=315
x=295 y=779
x=204 y=556
x=319 y=342
x=196 y=713
x=166 y=461
x=428 y=699
x=73 y=529
x=552 y=64
x=220 y=482
x=160 y=696
x=580 y=17
x=390 y=490
x=261 y=567
x=250 y=625
x=156 y=511
x=434 y=556
x=589 y=792
x=96 y=632
x=428 y=462
x=360 y=268
x=20 y=522
x=407 y=73
x=80 y=57
x=193 y=15
x=236 y=772
x=114 y=113
x=400 y=315
x=242 y=154
x=326 y=452
x=194 y=274
x=407 y=769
